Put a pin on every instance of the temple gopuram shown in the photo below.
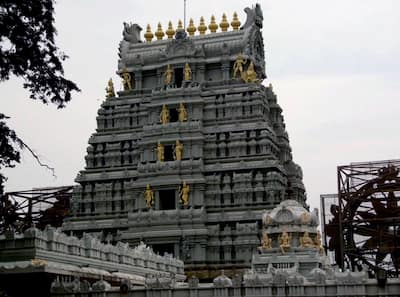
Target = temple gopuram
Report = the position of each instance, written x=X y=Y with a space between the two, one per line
x=192 y=150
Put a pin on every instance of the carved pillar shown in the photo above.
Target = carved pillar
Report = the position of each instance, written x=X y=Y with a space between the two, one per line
x=138 y=79
x=159 y=78
x=225 y=69
x=201 y=69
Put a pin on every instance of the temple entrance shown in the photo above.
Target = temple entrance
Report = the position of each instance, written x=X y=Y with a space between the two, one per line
x=168 y=153
x=178 y=74
x=166 y=199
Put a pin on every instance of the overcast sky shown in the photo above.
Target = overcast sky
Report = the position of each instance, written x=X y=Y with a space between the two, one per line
x=334 y=65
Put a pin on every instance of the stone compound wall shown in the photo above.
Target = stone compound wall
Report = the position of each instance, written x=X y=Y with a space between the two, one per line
x=53 y=246
x=346 y=285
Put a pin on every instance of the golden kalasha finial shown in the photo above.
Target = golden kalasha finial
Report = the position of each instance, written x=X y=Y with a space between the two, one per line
x=180 y=26
x=182 y=113
x=178 y=150
x=164 y=115
x=110 y=89
x=202 y=27
x=159 y=33
x=149 y=196
x=191 y=28
x=148 y=35
x=187 y=72
x=170 y=31
x=224 y=25
x=213 y=25
x=184 y=194
x=160 y=152
x=126 y=80
x=168 y=75
x=235 y=22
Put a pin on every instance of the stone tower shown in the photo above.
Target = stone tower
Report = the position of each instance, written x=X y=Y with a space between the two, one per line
x=191 y=152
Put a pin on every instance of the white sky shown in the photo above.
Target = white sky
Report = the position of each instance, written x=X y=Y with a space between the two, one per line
x=334 y=65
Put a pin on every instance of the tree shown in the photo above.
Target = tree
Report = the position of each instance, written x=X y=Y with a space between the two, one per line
x=28 y=50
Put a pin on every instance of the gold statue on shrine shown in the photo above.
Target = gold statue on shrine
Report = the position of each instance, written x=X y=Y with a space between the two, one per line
x=182 y=113
x=149 y=196
x=178 y=150
x=126 y=80
x=184 y=191
x=160 y=152
x=238 y=65
x=187 y=72
x=164 y=115
x=251 y=74
x=266 y=242
x=318 y=242
x=168 y=75
x=284 y=241
x=110 y=89
x=306 y=241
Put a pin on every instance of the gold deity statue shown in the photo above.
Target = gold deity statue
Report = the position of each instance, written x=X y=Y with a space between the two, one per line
x=187 y=72
x=160 y=152
x=184 y=191
x=178 y=150
x=238 y=65
x=110 y=89
x=149 y=196
x=318 y=242
x=126 y=80
x=168 y=75
x=306 y=241
x=251 y=74
x=284 y=241
x=182 y=113
x=164 y=115
x=266 y=242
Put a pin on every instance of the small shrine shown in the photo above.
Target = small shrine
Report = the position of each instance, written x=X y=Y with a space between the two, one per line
x=291 y=245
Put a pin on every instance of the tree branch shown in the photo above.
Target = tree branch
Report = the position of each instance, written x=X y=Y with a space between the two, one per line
x=37 y=158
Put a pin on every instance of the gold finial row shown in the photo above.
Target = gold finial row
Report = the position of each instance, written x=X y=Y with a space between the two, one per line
x=191 y=28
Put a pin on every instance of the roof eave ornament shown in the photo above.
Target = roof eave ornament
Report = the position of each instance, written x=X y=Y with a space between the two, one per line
x=254 y=17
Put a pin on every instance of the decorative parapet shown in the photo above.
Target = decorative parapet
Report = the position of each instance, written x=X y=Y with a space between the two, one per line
x=53 y=246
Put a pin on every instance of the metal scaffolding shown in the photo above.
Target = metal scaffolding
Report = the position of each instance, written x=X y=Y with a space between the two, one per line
x=36 y=207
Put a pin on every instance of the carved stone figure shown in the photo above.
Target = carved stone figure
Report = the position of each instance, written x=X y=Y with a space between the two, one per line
x=126 y=80
x=266 y=242
x=164 y=115
x=160 y=152
x=110 y=89
x=238 y=65
x=131 y=32
x=149 y=196
x=187 y=72
x=284 y=242
x=168 y=75
x=182 y=113
x=306 y=241
x=178 y=150
x=184 y=194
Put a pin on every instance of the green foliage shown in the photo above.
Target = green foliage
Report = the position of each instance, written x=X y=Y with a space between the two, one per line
x=28 y=50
